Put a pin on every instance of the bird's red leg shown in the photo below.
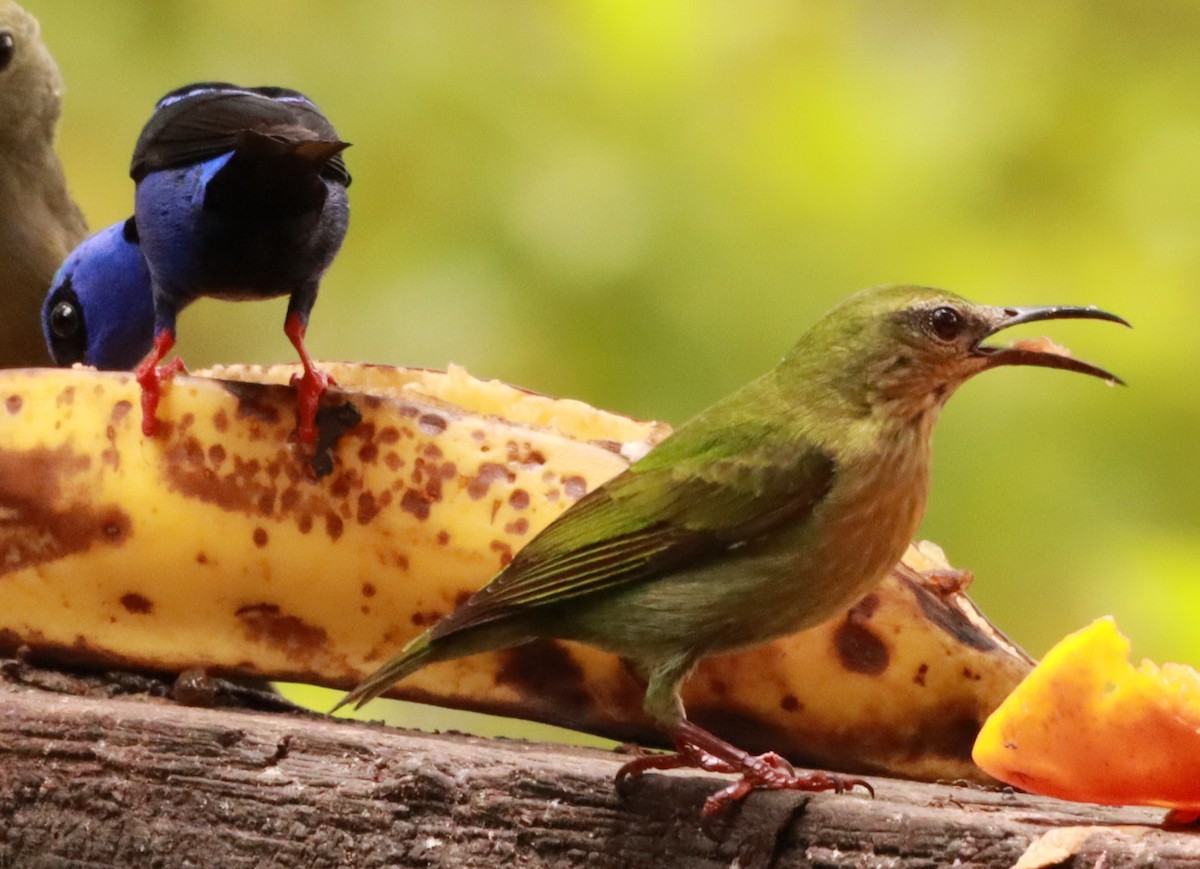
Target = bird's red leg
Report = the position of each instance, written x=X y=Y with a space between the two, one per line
x=150 y=376
x=696 y=747
x=311 y=385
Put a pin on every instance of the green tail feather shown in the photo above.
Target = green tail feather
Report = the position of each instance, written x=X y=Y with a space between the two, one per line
x=413 y=657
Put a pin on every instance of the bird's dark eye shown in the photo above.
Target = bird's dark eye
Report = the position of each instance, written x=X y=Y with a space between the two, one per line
x=64 y=324
x=946 y=323
x=8 y=47
x=65 y=320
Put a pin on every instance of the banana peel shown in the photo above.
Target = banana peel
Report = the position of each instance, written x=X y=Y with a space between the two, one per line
x=219 y=543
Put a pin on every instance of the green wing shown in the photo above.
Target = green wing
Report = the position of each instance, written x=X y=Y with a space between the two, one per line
x=702 y=491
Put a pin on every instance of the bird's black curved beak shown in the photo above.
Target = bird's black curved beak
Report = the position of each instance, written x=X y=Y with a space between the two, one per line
x=1039 y=351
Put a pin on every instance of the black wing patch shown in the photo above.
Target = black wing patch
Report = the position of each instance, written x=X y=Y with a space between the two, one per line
x=202 y=121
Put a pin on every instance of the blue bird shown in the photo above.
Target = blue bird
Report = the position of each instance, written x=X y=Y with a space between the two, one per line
x=99 y=310
x=241 y=194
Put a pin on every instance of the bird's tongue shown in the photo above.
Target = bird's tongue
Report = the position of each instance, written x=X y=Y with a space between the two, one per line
x=1040 y=345
x=1044 y=353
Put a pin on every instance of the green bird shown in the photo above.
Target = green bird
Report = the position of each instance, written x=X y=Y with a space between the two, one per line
x=39 y=222
x=765 y=514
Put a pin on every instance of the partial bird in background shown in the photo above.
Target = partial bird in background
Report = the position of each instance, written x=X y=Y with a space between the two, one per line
x=241 y=194
x=39 y=222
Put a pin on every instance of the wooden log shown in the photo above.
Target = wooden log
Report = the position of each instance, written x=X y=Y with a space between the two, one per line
x=138 y=780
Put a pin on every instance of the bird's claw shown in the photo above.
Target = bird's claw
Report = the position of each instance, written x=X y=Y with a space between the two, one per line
x=634 y=768
x=777 y=762
x=687 y=756
x=772 y=772
x=690 y=757
x=769 y=771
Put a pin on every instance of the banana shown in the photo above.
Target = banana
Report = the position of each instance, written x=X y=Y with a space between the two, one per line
x=220 y=544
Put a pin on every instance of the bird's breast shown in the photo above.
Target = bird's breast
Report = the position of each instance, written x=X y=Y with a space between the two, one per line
x=244 y=254
x=824 y=563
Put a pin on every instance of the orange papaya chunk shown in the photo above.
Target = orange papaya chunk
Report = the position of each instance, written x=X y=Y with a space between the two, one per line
x=1086 y=725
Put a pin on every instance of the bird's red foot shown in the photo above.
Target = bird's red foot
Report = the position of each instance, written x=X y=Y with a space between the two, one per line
x=678 y=760
x=150 y=376
x=699 y=749
x=310 y=386
x=771 y=772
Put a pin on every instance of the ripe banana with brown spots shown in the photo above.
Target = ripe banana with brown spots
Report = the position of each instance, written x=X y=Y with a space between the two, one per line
x=219 y=543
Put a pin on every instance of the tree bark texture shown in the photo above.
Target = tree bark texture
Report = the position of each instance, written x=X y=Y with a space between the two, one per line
x=94 y=780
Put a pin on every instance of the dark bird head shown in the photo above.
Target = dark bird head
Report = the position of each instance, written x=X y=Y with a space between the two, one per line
x=911 y=347
x=100 y=310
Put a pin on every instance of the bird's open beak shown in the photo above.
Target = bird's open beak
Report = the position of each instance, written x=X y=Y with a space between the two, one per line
x=1041 y=351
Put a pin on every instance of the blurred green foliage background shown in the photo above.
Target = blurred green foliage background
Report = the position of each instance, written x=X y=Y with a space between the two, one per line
x=642 y=205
